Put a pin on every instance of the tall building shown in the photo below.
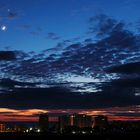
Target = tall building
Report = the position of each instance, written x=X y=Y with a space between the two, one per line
x=100 y=121
x=44 y=122
x=65 y=120
x=82 y=120
x=78 y=120
x=2 y=127
x=61 y=121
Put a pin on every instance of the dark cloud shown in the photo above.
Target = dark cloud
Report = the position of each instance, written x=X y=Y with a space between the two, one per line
x=101 y=24
x=73 y=47
x=134 y=114
x=114 y=32
x=88 y=40
x=129 y=82
x=12 y=83
x=7 y=55
x=58 y=97
x=130 y=68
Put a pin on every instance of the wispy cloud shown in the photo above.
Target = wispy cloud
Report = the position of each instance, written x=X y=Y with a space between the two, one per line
x=52 y=36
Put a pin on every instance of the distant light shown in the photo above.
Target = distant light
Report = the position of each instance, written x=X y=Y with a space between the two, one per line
x=73 y=132
x=27 y=130
x=31 y=128
x=83 y=132
x=3 y=28
x=38 y=130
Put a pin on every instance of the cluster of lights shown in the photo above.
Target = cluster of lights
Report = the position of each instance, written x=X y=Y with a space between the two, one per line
x=31 y=130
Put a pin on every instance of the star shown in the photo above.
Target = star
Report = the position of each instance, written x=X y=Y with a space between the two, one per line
x=3 y=28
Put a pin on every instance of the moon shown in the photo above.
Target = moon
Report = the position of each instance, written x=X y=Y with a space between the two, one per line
x=3 y=28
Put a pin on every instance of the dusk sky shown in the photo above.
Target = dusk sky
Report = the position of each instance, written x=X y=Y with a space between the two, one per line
x=69 y=56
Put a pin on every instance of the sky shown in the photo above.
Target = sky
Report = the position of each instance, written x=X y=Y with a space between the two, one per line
x=69 y=54
x=30 y=22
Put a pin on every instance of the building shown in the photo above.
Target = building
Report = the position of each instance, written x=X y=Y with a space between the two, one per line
x=2 y=127
x=54 y=122
x=65 y=120
x=78 y=120
x=82 y=120
x=100 y=121
x=44 y=122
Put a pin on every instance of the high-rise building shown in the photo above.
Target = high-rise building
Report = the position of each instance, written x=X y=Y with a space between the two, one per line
x=2 y=127
x=82 y=120
x=65 y=120
x=100 y=121
x=44 y=122
x=78 y=120
x=62 y=121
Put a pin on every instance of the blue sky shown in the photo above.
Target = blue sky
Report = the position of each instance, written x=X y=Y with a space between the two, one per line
x=32 y=20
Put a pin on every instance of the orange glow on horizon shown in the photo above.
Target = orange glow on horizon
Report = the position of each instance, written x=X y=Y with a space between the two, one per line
x=7 y=114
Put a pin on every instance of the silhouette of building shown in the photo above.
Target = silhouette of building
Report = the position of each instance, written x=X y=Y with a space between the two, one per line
x=44 y=122
x=2 y=127
x=65 y=120
x=78 y=120
x=100 y=121
x=82 y=120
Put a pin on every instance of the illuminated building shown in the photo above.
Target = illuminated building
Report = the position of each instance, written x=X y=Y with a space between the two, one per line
x=82 y=120
x=78 y=120
x=2 y=127
x=100 y=121
x=18 y=128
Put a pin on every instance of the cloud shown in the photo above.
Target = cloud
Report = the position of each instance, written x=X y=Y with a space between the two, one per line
x=86 y=60
x=12 y=83
x=114 y=32
x=7 y=55
x=101 y=24
x=12 y=15
x=53 y=36
x=58 y=97
x=8 y=14
x=130 y=68
x=35 y=32
x=128 y=83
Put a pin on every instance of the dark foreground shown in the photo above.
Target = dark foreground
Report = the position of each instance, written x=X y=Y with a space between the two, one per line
x=115 y=136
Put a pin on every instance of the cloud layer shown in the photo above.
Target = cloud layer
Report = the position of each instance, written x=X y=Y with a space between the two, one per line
x=37 y=74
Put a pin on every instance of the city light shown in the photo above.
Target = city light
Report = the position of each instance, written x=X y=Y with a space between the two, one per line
x=31 y=129
x=38 y=130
